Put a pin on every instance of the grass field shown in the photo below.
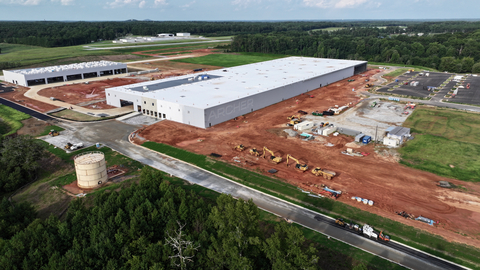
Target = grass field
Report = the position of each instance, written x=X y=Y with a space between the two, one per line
x=419 y=239
x=229 y=60
x=445 y=137
x=76 y=116
x=48 y=128
x=12 y=120
x=32 y=56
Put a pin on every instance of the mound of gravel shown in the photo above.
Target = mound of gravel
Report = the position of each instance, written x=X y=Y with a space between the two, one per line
x=290 y=132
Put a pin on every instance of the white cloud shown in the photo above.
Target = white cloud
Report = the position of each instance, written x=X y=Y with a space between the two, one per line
x=121 y=3
x=187 y=5
x=142 y=4
x=334 y=3
x=22 y=2
x=64 y=2
x=161 y=2
x=245 y=3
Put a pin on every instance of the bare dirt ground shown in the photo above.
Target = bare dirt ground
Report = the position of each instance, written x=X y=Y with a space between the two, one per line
x=32 y=126
x=18 y=97
x=377 y=177
x=81 y=94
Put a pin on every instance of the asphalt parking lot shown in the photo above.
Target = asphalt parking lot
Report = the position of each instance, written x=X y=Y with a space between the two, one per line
x=469 y=96
x=434 y=79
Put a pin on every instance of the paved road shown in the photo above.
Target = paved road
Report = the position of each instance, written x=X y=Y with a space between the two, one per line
x=88 y=48
x=26 y=110
x=115 y=135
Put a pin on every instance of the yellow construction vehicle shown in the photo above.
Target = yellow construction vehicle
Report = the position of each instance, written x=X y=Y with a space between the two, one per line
x=273 y=158
x=254 y=152
x=325 y=173
x=239 y=147
x=54 y=133
x=299 y=166
x=368 y=85
x=293 y=117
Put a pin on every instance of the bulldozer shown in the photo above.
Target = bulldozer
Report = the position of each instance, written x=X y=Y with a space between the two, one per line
x=273 y=158
x=294 y=122
x=368 y=85
x=239 y=147
x=299 y=166
x=254 y=152
x=54 y=133
x=325 y=173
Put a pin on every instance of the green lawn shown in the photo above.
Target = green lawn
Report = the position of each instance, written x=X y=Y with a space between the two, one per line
x=445 y=137
x=48 y=128
x=436 y=245
x=12 y=118
x=229 y=60
x=396 y=73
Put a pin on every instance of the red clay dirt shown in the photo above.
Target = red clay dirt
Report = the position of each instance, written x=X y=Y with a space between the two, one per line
x=391 y=186
x=18 y=97
x=80 y=93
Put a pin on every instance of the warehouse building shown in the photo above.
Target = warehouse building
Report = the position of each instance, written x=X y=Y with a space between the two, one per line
x=204 y=100
x=63 y=73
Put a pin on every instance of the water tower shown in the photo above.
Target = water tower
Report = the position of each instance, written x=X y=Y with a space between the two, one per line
x=91 y=169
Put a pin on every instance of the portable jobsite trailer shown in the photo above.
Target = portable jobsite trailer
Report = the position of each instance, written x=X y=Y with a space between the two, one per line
x=303 y=125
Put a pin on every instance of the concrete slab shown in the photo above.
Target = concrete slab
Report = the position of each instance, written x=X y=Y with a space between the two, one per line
x=140 y=120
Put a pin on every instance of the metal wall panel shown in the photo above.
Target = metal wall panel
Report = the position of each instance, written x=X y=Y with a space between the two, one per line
x=227 y=111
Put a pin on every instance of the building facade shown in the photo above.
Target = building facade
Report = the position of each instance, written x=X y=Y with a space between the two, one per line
x=63 y=73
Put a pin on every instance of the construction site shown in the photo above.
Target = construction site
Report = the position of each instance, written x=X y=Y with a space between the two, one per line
x=308 y=141
x=262 y=140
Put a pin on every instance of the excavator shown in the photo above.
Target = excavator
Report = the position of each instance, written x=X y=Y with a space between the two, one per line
x=254 y=152
x=273 y=158
x=368 y=85
x=239 y=147
x=299 y=166
x=326 y=173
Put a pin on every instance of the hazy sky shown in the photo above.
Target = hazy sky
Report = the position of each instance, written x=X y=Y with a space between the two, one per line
x=100 y=10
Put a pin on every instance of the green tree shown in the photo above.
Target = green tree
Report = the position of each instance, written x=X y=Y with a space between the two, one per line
x=285 y=249
x=476 y=68
x=13 y=219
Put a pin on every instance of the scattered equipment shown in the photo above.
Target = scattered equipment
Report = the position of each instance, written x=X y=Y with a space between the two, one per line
x=273 y=158
x=54 y=133
x=239 y=147
x=325 y=173
x=299 y=166
x=254 y=152
x=75 y=146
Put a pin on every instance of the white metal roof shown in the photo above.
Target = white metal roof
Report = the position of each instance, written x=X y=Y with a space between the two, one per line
x=238 y=82
x=79 y=66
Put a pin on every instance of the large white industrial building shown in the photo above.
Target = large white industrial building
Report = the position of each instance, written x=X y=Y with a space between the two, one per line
x=63 y=73
x=204 y=100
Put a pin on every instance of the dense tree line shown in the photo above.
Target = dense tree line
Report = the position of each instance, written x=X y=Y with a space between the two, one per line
x=14 y=218
x=55 y=34
x=155 y=225
x=19 y=161
x=454 y=52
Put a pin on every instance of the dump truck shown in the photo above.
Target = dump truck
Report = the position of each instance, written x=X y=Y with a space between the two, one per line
x=273 y=158
x=76 y=146
x=53 y=133
x=298 y=166
x=325 y=173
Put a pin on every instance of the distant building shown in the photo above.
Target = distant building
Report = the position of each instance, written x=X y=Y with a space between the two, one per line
x=63 y=73
x=183 y=34
x=165 y=35
x=396 y=136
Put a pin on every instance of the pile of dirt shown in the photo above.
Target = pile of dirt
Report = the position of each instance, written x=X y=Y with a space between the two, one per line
x=390 y=185
x=18 y=97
